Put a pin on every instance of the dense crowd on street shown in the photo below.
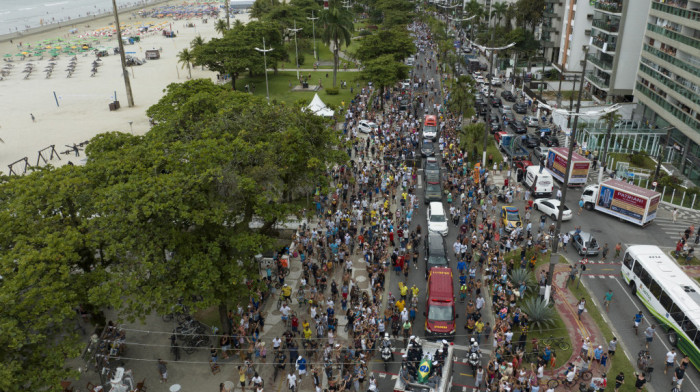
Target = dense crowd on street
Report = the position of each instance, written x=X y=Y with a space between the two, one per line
x=367 y=214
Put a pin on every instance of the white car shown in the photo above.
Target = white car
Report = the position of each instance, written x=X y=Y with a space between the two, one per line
x=496 y=81
x=437 y=220
x=367 y=126
x=550 y=207
x=531 y=121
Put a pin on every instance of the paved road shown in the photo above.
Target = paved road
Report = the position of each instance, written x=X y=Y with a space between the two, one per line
x=599 y=277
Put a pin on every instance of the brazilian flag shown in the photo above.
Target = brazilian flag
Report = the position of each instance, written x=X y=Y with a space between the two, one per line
x=424 y=369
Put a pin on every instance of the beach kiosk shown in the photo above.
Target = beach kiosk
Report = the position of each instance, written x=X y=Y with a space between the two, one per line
x=152 y=54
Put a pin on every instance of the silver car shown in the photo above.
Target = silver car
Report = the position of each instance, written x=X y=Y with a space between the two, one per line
x=584 y=243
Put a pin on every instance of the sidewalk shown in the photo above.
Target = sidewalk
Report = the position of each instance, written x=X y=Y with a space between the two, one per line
x=566 y=305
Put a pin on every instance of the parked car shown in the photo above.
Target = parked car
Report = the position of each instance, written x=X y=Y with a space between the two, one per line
x=509 y=118
x=494 y=118
x=366 y=126
x=496 y=82
x=584 y=243
x=541 y=152
x=550 y=141
x=550 y=207
x=531 y=121
x=495 y=127
x=517 y=127
x=508 y=96
x=427 y=149
x=496 y=102
x=504 y=109
x=531 y=140
x=520 y=108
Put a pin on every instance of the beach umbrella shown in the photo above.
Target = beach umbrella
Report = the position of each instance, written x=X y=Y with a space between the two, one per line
x=74 y=47
x=19 y=54
x=48 y=47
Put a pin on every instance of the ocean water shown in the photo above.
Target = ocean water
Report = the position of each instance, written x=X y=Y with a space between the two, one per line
x=19 y=15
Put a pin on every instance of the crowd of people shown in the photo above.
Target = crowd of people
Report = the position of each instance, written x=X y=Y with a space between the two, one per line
x=367 y=214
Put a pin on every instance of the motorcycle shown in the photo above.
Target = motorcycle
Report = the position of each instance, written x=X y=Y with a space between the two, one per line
x=474 y=361
x=387 y=356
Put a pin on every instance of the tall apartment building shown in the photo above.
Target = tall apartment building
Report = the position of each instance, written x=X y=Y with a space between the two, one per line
x=552 y=26
x=668 y=80
x=616 y=29
x=577 y=19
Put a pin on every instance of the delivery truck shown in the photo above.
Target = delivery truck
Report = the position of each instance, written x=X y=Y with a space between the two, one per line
x=622 y=200
x=556 y=165
x=418 y=373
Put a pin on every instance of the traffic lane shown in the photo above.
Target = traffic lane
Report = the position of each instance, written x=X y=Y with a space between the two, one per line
x=621 y=316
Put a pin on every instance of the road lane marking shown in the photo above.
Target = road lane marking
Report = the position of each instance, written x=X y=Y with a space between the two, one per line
x=660 y=339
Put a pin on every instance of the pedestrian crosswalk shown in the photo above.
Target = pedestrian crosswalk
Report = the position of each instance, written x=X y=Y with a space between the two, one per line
x=674 y=230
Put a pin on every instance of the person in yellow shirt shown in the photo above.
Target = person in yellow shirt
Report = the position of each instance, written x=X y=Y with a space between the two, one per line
x=286 y=292
x=403 y=289
x=414 y=291
x=400 y=304
x=307 y=332
x=304 y=325
x=478 y=330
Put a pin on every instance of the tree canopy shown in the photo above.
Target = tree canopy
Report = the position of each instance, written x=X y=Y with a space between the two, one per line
x=396 y=42
x=151 y=219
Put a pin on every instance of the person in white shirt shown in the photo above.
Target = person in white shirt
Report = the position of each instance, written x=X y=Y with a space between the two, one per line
x=292 y=382
x=670 y=358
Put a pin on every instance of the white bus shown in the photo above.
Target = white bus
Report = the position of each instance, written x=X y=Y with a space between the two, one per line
x=669 y=294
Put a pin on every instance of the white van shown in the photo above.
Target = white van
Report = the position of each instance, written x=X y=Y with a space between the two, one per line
x=541 y=184
x=437 y=220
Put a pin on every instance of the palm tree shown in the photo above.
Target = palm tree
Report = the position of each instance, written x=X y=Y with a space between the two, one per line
x=185 y=58
x=474 y=8
x=462 y=96
x=499 y=11
x=337 y=30
x=196 y=42
x=221 y=26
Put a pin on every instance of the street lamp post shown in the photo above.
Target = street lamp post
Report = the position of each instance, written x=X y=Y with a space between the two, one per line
x=554 y=259
x=296 y=48
x=264 y=52
x=313 y=26
x=127 y=82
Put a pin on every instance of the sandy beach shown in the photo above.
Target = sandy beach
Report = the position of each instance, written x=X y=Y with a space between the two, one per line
x=83 y=100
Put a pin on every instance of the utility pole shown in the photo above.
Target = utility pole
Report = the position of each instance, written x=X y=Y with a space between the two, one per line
x=661 y=153
x=228 y=13
x=554 y=259
x=296 y=48
x=313 y=26
x=264 y=51
x=127 y=83
x=571 y=98
x=488 y=97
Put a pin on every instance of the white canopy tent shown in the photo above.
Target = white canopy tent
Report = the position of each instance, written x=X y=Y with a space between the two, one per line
x=319 y=108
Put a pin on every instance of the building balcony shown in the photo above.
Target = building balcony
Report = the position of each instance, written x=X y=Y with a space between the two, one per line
x=600 y=43
x=601 y=83
x=614 y=7
x=674 y=35
x=671 y=59
x=602 y=64
x=671 y=84
x=606 y=26
x=675 y=10
x=682 y=115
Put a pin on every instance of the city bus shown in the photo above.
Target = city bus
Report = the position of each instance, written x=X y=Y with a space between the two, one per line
x=669 y=294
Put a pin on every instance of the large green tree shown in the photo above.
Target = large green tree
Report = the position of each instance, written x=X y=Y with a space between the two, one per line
x=384 y=71
x=396 y=42
x=461 y=97
x=235 y=52
x=337 y=30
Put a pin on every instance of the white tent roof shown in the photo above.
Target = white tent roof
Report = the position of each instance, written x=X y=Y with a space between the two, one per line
x=319 y=108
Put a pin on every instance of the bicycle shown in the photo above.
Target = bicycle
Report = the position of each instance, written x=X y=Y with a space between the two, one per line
x=561 y=379
x=192 y=342
x=559 y=342
x=301 y=297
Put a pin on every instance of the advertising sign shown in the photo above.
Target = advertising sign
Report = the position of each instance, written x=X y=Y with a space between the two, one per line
x=624 y=205
x=653 y=205
x=556 y=165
